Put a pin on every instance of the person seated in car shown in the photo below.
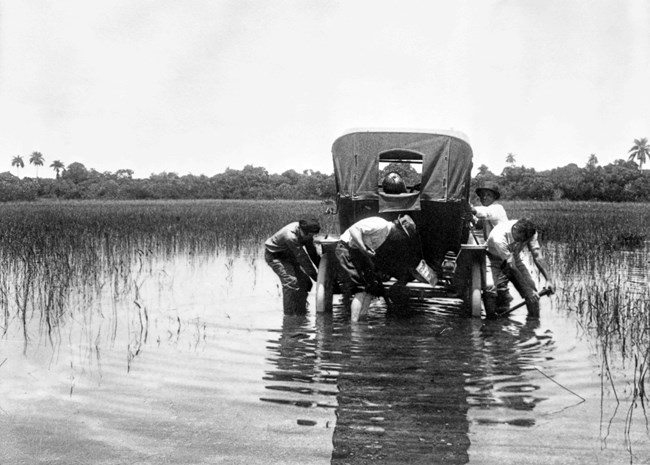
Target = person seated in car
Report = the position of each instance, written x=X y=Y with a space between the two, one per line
x=393 y=183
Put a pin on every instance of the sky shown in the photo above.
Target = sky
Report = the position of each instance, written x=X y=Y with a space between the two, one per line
x=199 y=86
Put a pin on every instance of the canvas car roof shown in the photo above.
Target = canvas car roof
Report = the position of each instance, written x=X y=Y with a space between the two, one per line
x=446 y=161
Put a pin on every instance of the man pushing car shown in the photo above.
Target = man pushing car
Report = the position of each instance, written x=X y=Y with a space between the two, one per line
x=372 y=251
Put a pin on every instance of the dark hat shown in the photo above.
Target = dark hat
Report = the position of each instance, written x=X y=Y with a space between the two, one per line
x=407 y=224
x=527 y=227
x=309 y=225
x=489 y=186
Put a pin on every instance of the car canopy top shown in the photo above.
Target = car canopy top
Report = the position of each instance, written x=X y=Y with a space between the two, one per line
x=446 y=159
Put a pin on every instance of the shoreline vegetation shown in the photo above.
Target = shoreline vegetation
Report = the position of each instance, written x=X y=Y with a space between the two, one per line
x=620 y=181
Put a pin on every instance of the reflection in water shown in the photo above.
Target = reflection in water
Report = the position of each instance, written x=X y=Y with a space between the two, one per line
x=402 y=398
x=302 y=377
x=403 y=386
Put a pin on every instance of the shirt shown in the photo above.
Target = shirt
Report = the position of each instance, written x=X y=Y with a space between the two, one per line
x=501 y=244
x=491 y=215
x=374 y=231
x=288 y=241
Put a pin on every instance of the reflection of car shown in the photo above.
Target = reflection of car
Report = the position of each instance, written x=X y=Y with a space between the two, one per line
x=438 y=204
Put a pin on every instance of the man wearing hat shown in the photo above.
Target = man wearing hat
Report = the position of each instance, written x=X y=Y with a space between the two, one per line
x=487 y=216
x=489 y=213
x=374 y=249
x=504 y=248
x=291 y=254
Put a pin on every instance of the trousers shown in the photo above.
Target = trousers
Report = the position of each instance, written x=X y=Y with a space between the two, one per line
x=524 y=284
x=295 y=283
x=359 y=272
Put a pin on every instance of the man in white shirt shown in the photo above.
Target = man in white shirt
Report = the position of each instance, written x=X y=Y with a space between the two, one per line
x=374 y=249
x=489 y=213
x=486 y=217
x=504 y=247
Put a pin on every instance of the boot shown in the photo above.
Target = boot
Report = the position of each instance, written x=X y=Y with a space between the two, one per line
x=503 y=299
x=397 y=299
x=490 y=303
x=532 y=305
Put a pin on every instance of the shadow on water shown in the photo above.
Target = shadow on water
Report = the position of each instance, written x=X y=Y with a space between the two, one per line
x=403 y=386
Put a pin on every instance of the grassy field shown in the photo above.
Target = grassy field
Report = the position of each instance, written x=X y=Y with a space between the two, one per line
x=238 y=223
x=603 y=225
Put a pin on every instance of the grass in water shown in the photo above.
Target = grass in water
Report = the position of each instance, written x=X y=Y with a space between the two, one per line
x=598 y=253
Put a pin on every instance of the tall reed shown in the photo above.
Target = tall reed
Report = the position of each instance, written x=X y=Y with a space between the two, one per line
x=599 y=254
x=49 y=249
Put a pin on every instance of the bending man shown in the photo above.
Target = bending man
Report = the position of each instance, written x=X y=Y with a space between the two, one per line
x=372 y=250
x=504 y=247
x=291 y=254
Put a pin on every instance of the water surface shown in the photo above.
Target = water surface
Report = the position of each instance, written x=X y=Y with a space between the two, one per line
x=191 y=361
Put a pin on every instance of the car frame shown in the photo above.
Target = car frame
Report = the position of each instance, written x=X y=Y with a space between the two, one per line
x=438 y=204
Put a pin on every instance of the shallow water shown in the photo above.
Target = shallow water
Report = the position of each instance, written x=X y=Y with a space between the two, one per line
x=196 y=364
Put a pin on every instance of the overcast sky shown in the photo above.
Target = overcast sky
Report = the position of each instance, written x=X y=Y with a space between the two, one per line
x=198 y=86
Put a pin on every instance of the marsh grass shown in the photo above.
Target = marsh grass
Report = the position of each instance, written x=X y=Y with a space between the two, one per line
x=599 y=253
x=47 y=250
x=52 y=252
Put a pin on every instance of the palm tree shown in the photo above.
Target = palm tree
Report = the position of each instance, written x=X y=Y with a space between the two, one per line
x=510 y=159
x=36 y=158
x=18 y=163
x=57 y=166
x=640 y=151
x=593 y=160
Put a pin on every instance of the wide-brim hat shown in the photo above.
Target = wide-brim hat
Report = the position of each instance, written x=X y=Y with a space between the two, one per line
x=489 y=186
x=407 y=224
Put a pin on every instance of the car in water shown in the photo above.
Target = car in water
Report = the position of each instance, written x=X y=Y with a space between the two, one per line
x=438 y=168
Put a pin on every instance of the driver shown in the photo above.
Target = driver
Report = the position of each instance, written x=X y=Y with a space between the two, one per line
x=393 y=183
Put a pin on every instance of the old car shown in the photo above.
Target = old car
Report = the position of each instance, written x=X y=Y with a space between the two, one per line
x=437 y=200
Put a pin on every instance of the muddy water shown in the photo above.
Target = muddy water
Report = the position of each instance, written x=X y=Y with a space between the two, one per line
x=194 y=363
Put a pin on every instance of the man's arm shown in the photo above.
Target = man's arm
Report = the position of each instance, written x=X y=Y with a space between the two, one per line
x=540 y=263
x=357 y=238
x=299 y=252
x=535 y=250
x=312 y=252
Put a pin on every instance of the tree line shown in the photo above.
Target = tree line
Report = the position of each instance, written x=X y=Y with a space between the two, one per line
x=620 y=181
x=78 y=182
